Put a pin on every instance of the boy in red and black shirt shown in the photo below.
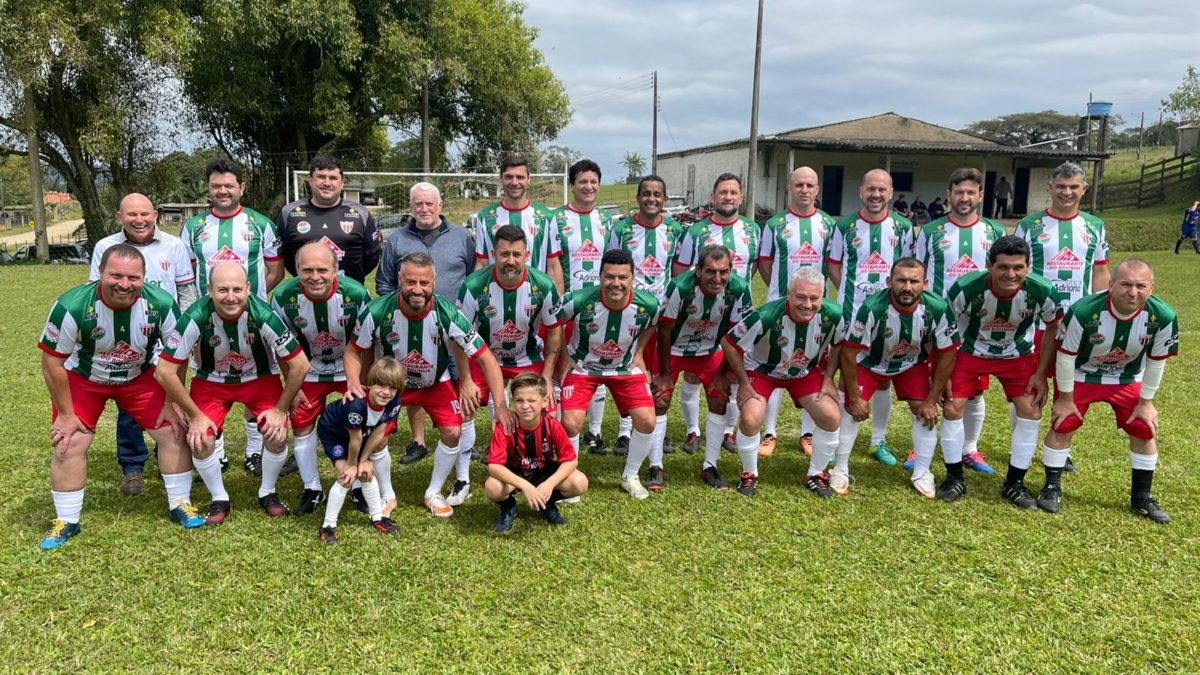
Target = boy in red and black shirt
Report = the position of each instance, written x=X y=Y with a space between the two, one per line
x=537 y=459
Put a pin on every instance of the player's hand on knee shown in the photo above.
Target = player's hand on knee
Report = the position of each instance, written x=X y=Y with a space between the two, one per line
x=366 y=471
x=346 y=475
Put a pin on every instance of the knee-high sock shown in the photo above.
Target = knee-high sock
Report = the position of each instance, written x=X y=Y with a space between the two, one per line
x=443 y=462
x=769 y=424
x=925 y=443
x=714 y=434
x=596 y=412
x=731 y=410
x=272 y=464
x=689 y=400
x=333 y=503
x=825 y=444
x=806 y=421
x=382 y=462
x=219 y=448
x=1142 y=475
x=575 y=444
x=466 y=443
x=305 y=448
x=847 y=434
x=1024 y=442
x=952 y=441
x=178 y=487
x=660 y=437
x=371 y=496
x=210 y=472
x=747 y=447
x=254 y=439
x=68 y=506
x=639 y=449
x=881 y=410
x=973 y=423
x=625 y=427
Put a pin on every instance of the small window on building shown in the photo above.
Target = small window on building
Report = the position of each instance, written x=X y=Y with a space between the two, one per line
x=902 y=181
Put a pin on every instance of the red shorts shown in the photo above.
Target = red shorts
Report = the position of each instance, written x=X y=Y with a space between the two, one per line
x=142 y=398
x=216 y=399
x=981 y=387
x=440 y=401
x=508 y=373
x=911 y=385
x=316 y=393
x=765 y=385
x=628 y=391
x=1013 y=373
x=1121 y=397
x=703 y=367
x=650 y=356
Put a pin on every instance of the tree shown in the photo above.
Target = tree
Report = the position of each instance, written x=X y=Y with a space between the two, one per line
x=1029 y=128
x=635 y=164
x=557 y=158
x=1185 y=100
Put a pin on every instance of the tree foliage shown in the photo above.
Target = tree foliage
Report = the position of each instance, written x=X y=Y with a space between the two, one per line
x=558 y=158
x=1185 y=100
x=1028 y=128
x=634 y=163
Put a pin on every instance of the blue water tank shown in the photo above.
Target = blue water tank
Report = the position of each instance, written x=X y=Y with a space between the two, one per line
x=1099 y=108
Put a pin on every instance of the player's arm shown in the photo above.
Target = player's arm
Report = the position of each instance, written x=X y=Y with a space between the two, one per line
x=170 y=374
x=495 y=379
x=186 y=293
x=639 y=357
x=833 y=269
x=554 y=344
x=1100 y=277
x=765 y=266
x=385 y=276
x=560 y=474
x=274 y=273
x=554 y=270
x=1038 y=385
x=468 y=391
x=734 y=362
x=372 y=246
x=353 y=362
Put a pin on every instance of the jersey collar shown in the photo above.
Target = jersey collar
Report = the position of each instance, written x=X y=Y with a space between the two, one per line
x=332 y=290
x=571 y=207
x=522 y=208
x=1062 y=220
x=810 y=214
x=713 y=219
x=235 y=214
x=496 y=278
x=648 y=227
x=887 y=213
x=622 y=308
x=1113 y=311
x=968 y=226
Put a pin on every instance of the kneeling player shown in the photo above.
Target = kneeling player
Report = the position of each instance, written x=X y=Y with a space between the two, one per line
x=1107 y=340
x=537 y=459
x=342 y=429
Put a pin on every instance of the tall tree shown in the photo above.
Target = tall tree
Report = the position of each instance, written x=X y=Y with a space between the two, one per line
x=1185 y=100
x=634 y=163
x=557 y=158
x=1028 y=128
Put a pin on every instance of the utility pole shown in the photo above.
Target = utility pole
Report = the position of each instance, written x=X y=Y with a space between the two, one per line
x=654 y=132
x=36 y=200
x=425 y=125
x=752 y=173
x=1141 y=134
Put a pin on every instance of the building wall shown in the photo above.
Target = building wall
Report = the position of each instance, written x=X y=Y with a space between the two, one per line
x=692 y=174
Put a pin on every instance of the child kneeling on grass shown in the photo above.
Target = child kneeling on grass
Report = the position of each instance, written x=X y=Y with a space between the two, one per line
x=342 y=429
x=537 y=459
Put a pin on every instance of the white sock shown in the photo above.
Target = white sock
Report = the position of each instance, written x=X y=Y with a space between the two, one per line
x=806 y=422
x=747 y=447
x=625 y=428
x=272 y=464
x=972 y=421
x=825 y=444
x=68 y=506
x=881 y=410
x=952 y=441
x=714 y=434
x=925 y=443
x=1024 y=442
x=689 y=400
x=254 y=439
x=772 y=418
x=370 y=491
x=305 y=450
x=1139 y=462
x=218 y=448
x=596 y=412
x=466 y=443
x=1054 y=458
x=575 y=444
x=178 y=487
x=382 y=463
x=731 y=411
x=333 y=503
x=210 y=472
x=660 y=437
x=639 y=449
x=847 y=434
x=443 y=462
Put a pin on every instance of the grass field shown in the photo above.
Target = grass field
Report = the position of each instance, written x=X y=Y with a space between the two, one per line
x=1125 y=165
x=880 y=581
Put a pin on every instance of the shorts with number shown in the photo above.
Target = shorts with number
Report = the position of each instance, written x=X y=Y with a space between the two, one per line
x=508 y=373
x=440 y=401
x=216 y=399
x=1013 y=373
x=1121 y=397
x=316 y=393
x=629 y=392
x=911 y=385
x=704 y=368
x=765 y=385
x=142 y=397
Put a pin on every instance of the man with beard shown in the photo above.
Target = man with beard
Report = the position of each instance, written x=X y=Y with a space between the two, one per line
x=515 y=208
x=416 y=328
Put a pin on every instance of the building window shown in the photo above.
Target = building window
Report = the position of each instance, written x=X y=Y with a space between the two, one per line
x=902 y=181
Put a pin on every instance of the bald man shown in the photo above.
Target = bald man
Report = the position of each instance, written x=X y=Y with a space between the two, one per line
x=168 y=268
x=235 y=340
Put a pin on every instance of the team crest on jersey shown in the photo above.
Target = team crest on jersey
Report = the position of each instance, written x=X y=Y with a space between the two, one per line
x=232 y=362
x=346 y=225
x=303 y=227
x=610 y=351
x=634 y=331
x=300 y=322
x=530 y=310
x=893 y=241
x=148 y=329
x=509 y=333
x=876 y=264
x=533 y=230
x=780 y=340
x=165 y=264
x=436 y=339
x=746 y=239
x=343 y=320
x=887 y=331
x=121 y=353
x=1044 y=238
x=333 y=247
x=392 y=337
x=650 y=266
x=1065 y=260
x=998 y=326
x=586 y=253
x=805 y=255
x=247 y=236
x=416 y=363
x=324 y=340
x=214 y=340
x=98 y=332
x=489 y=311
x=1145 y=339
x=1086 y=238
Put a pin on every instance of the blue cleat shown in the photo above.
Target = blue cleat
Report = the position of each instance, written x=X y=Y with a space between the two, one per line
x=60 y=532
x=186 y=515
x=883 y=454
x=976 y=462
x=912 y=459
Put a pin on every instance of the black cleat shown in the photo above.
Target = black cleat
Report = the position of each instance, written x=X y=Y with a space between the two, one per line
x=289 y=467
x=508 y=516
x=1050 y=499
x=1149 y=508
x=414 y=453
x=253 y=465
x=309 y=501
x=712 y=479
x=328 y=535
x=223 y=461
x=729 y=443
x=748 y=485
x=622 y=448
x=1018 y=495
x=655 y=480
x=385 y=526
x=273 y=506
x=1070 y=467
x=217 y=512
x=359 y=501
x=818 y=484
x=668 y=446
x=692 y=445
x=951 y=489
x=552 y=515
x=594 y=444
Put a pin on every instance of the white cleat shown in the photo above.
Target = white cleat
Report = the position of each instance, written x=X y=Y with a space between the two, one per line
x=633 y=486
x=839 y=481
x=924 y=485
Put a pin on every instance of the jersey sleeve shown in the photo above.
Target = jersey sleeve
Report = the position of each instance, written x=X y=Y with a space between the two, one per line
x=270 y=241
x=354 y=415
x=560 y=440
x=1166 y=341
x=467 y=304
x=742 y=307
x=1101 y=244
x=548 y=313
x=498 y=450
x=483 y=243
x=766 y=242
x=185 y=235
x=685 y=254
x=184 y=274
x=566 y=308
x=673 y=304
x=745 y=334
x=957 y=301
x=1070 y=335
x=457 y=328
x=836 y=247
x=94 y=270
x=181 y=341
x=1051 y=308
x=920 y=248
x=553 y=244
x=61 y=333
x=613 y=241
x=862 y=329
x=364 y=329
x=275 y=333
x=945 y=332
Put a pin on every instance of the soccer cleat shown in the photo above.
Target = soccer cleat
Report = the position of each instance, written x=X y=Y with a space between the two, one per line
x=729 y=443
x=218 y=511
x=132 y=484
x=437 y=506
x=976 y=462
x=328 y=535
x=1070 y=467
x=1018 y=495
x=388 y=506
x=253 y=465
x=748 y=484
x=951 y=489
x=460 y=493
x=385 y=525
x=766 y=447
x=569 y=501
x=414 y=453
x=818 y=484
x=508 y=516
x=186 y=515
x=58 y=534
x=924 y=485
x=1050 y=499
x=594 y=444
x=1149 y=508
x=223 y=461
x=633 y=486
x=477 y=456
x=622 y=448
x=655 y=479
x=712 y=478
x=668 y=446
x=839 y=481
x=552 y=515
x=289 y=467
x=359 y=501
x=806 y=444
x=883 y=454
x=273 y=506
x=309 y=501
x=912 y=460
x=692 y=445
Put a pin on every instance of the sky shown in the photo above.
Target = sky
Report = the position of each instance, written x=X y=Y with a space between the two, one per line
x=948 y=63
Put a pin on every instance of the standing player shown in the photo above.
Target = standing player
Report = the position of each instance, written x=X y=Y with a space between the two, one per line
x=98 y=345
x=797 y=237
x=862 y=249
x=582 y=233
x=701 y=306
x=515 y=208
x=792 y=343
x=949 y=248
x=1114 y=348
x=890 y=342
x=651 y=239
x=320 y=307
x=416 y=327
x=613 y=323
x=234 y=339
x=510 y=306
x=1187 y=229
x=997 y=312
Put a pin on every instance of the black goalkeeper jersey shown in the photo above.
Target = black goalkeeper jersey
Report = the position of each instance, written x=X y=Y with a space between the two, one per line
x=348 y=228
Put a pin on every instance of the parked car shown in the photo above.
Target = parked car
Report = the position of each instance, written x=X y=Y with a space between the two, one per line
x=60 y=254
x=389 y=223
x=676 y=204
x=615 y=212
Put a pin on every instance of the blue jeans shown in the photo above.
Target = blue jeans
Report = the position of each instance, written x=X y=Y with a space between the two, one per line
x=131 y=446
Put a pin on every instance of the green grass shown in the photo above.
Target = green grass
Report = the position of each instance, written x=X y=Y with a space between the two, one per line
x=1125 y=165
x=688 y=580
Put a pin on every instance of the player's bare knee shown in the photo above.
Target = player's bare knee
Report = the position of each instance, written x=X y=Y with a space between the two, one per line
x=643 y=420
x=662 y=405
x=450 y=436
x=717 y=406
x=574 y=485
x=954 y=408
x=495 y=490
